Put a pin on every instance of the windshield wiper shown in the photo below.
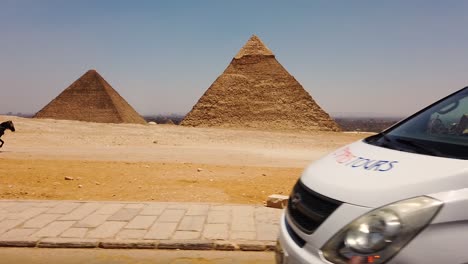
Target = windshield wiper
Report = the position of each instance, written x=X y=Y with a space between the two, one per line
x=384 y=136
x=376 y=137
x=381 y=139
x=402 y=144
x=420 y=148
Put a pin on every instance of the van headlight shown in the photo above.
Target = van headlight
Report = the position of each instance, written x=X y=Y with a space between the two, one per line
x=381 y=233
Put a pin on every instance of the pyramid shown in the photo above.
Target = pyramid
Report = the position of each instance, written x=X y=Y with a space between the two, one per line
x=91 y=99
x=255 y=91
x=168 y=122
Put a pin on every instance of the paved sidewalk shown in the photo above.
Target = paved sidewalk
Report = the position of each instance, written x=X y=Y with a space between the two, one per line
x=149 y=225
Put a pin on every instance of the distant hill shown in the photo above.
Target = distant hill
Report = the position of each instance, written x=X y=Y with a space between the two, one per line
x=368 y=124
x=162 y=118
x=19 y=114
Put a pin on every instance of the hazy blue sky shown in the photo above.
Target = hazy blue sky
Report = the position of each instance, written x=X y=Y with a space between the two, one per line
x=381 y=57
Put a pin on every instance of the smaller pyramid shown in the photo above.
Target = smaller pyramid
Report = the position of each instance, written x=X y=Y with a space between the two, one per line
x=168 y=122
x=91 y=99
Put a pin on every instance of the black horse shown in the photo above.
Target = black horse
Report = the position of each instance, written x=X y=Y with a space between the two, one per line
x=4 y=126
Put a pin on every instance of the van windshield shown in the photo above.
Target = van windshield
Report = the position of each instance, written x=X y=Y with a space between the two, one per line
x=438 y=130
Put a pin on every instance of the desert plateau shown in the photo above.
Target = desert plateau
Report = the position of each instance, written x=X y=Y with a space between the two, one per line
x=73 y=160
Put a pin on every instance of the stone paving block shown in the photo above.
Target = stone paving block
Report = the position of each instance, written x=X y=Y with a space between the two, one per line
x=243 y=224
x=242 y=211
x=14 y=216
x=161 y=231
x=106 y=230
x=32 y=212
x=198 y=209
x=75 y=232
x=109 y=209
x=263 y=215
x=270 y=246
x=263 y=209
x=26 y=204
x=17 y=207
x=63 y=208
x=186 y=235
x=18 y=233
x=186 y=245
x=172 y=222
x=242 y=235
x=252 y=246
x=216 y=231
x=6 y=225
x=93 y=220
x=54 y=229
x=81 y=212
x=18 y=242
x=128 y=244
x=68 y=243
x=142 y=222
x=5 y=204
x=147 y=244
x=171 y=215
x=226 y=245
x=192 y=223
x=182 y=206
x=48 y=204
x=267 y=232
x=41 y=220
x=115 y=244
x=224 y=208
x=43 y=204
x=131 y=234
x=267 y=219
x=135 y=205
x=153 y=209
x=124 y=214
x=219 y=217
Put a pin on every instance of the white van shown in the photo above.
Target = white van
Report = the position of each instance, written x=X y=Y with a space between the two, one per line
x=400 y=196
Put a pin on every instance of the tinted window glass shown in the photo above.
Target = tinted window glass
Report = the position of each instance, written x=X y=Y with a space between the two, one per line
x=439 y=130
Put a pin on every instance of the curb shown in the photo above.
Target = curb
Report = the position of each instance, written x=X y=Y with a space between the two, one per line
x=142 y=244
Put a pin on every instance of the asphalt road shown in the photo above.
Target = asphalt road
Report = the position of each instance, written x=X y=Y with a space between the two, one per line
x=134 y=256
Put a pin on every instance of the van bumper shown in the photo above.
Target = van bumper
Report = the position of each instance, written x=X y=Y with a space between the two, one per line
x=288 y=252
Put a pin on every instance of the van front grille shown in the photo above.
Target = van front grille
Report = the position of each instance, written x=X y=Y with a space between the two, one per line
x=308 y=209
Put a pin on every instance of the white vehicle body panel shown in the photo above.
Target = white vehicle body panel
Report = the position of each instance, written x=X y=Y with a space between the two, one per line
x=414 y=179
x=351 y=174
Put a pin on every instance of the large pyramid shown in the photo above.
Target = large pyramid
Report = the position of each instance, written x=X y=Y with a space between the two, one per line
x=255 y=91
x=91 y=99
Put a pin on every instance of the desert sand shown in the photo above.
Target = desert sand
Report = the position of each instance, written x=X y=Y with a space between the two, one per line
x=154 y=162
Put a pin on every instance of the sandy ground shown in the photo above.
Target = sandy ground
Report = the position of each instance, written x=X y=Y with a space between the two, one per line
x=154 y=162
x=131 y=256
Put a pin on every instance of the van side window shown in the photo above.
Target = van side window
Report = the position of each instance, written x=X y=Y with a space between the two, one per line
x=450 y=120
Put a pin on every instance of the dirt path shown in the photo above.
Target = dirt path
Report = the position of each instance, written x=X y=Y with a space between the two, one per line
x=160 y=163
x=132 y=256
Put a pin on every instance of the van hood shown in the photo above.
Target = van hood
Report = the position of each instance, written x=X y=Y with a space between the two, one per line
x=373 y=176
